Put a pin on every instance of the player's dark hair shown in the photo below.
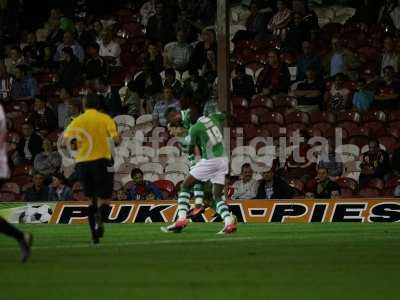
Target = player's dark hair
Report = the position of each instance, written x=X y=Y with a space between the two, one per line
x=170 y=71
x=245 y=165
x=170 y=110
x=136 y=171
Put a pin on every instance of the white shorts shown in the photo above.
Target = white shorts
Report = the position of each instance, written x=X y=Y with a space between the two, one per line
x=214 y=170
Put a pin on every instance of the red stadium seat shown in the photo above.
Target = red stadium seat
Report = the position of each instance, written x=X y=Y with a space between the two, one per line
x=167 y=187
x=22 y=180
x=259 y=115
x=348 y=183
x=8 y=197
x=293 y=127
x=262 y=101
x=373 y=116
x=376 y=183
x=297 y=117
x=298 y=186
x=390 y=142
x=370 y=193
x=273 y=129
x=375 y=127
x=21 y=170
x=318 y=117
x=242 y=117
x=394 y=131
x=250 y=132
x=350 y=116
x=392 y=182
x=11 y=187
x=239 y=102
x=394 y=116
x=271 y=117
x=346 y=193
x=359 y=140
x=284 y=101
x=323 y=127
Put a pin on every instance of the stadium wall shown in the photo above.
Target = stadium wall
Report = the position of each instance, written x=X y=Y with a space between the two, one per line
x=247 y=211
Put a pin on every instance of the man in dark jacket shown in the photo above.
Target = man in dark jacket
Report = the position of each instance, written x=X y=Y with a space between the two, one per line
x=325 y=188
x=273 y=187
x=30 y=144
x=39 y=191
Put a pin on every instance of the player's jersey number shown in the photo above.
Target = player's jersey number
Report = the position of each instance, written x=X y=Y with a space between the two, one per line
x=213 y=132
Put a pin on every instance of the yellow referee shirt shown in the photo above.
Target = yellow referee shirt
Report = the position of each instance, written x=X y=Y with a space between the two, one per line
x=95 y=133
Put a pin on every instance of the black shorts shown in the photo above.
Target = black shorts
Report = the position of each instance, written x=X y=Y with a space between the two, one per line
x=96 y=178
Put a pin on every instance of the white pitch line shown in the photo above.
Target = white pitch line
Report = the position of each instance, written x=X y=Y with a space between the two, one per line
x=139 y=243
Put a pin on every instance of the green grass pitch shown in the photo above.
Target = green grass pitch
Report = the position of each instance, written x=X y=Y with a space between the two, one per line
x=266 y=261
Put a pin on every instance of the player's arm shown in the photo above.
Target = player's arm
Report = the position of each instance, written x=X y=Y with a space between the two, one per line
x=113 y=131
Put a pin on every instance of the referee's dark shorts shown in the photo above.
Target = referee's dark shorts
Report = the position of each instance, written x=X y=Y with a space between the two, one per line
x=94 y=132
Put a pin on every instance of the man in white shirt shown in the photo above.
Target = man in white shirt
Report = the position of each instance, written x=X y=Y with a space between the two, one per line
x=178 y=53
x=246 y=187
x=110 y=50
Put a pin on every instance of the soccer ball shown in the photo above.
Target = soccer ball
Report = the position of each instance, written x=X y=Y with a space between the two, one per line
x=34 y=214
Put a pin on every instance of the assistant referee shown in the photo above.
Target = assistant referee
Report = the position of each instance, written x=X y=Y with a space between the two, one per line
x=94 y=133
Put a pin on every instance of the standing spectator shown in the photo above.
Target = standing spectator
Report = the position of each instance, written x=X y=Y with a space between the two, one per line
x=48 y=161
x=178 y=53
x=256 y=23
x=389 y=56
x=69 y=42
x=243 y=84
x=39 y=192
x=84 y=36
x=148 y=83
x=370 y=79
x=46 y=61
x=31 y=49
x=163 y=104
x=274 y=78
x=246 y=187
x=69 y=72
x=109 y=49
x=170 y=80
x=42 y=117
x=388 y=90
x=58 y=190
x=197 y=85
x=325 y=188
x=131 y=101
x=95 y=65
x=340 y=60
x=297 y=33
x=64 y=109
x=273 y=187
x=310 y=92
x=385 y=12
x=5 y=83
x=208 y=42
x=110 y=101
x=142 y=189
x=147 y=10
x=24 y=87
x=209 y=69
x=56 y=34
x=280 y=21
x=374 y=163
x=308 y=60
x=29 y=145
x=13 y=60
x=362 y=98
x=154 y=58
x=338 y=97
x=159 y=27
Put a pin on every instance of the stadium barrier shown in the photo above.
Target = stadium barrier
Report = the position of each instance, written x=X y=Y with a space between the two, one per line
x=247 y=211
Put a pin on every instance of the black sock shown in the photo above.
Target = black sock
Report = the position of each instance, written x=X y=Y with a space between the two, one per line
x=92 y=210
x=10 y=230
x=104 y=212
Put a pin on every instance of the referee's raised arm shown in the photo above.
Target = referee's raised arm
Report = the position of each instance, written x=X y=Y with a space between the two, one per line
x=93 y=132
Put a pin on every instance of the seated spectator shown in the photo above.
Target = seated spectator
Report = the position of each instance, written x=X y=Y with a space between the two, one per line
x=110 y=101
x=275 y=76
x=310 y=93
x=370 y=79
x=95 y=65
x=148 y=82
x=69 y=72
x=48 y=161
x=362 y=98
x=178 y=53
x=309 y=17
x=167 y=100
x=64 y=109
x=142 y=189
x=29 y=145
x=297 y=33
x=280 y=21
x=338 y=97
x=390 y=57
x=331 y=162
x=374 y=163
x=256 y=22
x=273 y=187
x=197 y=84
x=84 y=36
x=308 y=60
x=246 y=187
x=131 y=102
x=43 y=116
x=209 y=69
x=13 y=60
x=208 y=42
x=171 y=81
x=388 y=90
x=110 y=50
x=24 y=87
x=326 y=188
x=46 y=61
x=39 y=192
x=58 y=190
x=340 y=59
x=31 y=49
x=70 y=43
x=243 y=84
x=154 y=59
